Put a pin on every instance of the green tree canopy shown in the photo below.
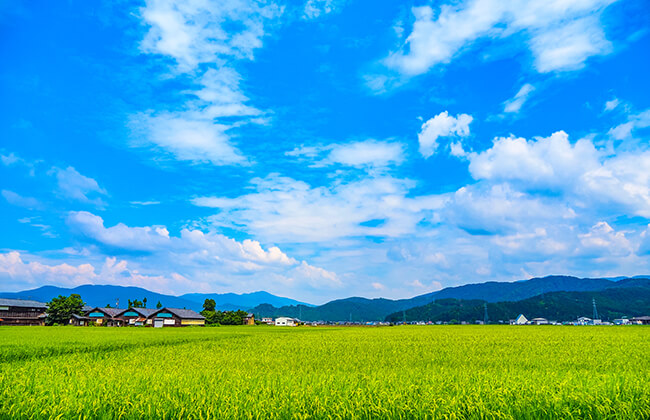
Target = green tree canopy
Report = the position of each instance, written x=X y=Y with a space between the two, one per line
x=60 y=309
x=209 y=305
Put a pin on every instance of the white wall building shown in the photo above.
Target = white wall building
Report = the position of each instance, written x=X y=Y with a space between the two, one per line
x=285 y=322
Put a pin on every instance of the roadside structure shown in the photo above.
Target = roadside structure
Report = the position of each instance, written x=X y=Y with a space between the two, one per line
x=22 y=312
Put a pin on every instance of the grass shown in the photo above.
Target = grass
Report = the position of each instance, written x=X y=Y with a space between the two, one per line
x=454 y=372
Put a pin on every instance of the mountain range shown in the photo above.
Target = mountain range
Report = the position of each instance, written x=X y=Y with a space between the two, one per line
x=118 y=296
x=469 y=297
x=361 y=309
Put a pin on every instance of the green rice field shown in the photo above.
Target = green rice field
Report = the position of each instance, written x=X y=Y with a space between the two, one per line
x=259 y=372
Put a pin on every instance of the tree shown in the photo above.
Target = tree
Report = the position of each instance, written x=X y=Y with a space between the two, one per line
x=209 y=305
x=158 y=305
x=137 y=304
x=144 y=302
x=60 y=309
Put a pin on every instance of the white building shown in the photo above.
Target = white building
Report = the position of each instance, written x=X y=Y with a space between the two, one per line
x=520 y=320
x=285 y=322
x=539 y=321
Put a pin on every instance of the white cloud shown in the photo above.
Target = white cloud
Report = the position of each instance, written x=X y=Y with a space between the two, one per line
x=20 y=201
x=563 y=34
x=204 y=31
x=289 y=210
x=360 y=154
x=603 y=240
x=514 y=104
x=119 y=236
x=316 y=8
x=71 y=184
x=442 y=125
x=210 y=33
x=635 y=121
x=611 y=104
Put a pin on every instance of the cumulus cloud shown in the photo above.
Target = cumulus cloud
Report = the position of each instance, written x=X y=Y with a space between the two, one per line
x=562 y=34
x=202 y=261
x=514 y=104
x=442 y=125
x=587 y=176
x=293 y=211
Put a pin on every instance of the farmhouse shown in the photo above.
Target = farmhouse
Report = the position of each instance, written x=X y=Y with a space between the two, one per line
x=539 y=321
x=249 y=319
x=172 y=317
x=105 y=316
x=644 y=320
x=22 y=312
x=285 y=322
x=80 y=320
x=520 y=320
x=267 y=321
x=137 y=316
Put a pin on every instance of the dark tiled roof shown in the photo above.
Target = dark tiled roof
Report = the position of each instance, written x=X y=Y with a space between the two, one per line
x=22 y=303
x=110 y=311
x=145 y=312
x=183 y=313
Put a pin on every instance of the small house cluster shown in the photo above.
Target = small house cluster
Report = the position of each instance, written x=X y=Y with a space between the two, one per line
x=29 y=312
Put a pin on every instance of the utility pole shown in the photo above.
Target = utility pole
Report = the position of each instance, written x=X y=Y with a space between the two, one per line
x=404 y=315
x=485 y=317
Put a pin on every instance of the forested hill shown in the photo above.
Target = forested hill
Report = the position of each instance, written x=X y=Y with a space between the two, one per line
x=612 y=303
x=362 y=309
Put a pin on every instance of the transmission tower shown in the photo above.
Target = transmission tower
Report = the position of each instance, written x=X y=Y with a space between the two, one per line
x=593 y=301
x=485 y=316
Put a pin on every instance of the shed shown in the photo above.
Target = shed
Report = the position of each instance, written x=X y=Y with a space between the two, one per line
x=173 y=317
x=520 y=320
x=539 y=321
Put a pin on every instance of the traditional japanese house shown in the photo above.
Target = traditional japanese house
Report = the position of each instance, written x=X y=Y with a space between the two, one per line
x=137 y=316
x=22 y=312
x=105 y=316
x=172 y=317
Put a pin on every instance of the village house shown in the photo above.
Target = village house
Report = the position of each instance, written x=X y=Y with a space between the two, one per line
x=539 y=321
x=267 y=321
x=105 y=316
x=22 y=312
x=172 y=317
x=137 y=316
x=641 y=320
x=249 y=319
x=285 y=322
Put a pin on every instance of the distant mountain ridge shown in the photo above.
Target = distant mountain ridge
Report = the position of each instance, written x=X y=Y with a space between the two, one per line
x=264 y=304
x=612 y=303
x=102 y=295
x=362 y=309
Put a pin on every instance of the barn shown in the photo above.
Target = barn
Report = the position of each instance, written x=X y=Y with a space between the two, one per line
x=172 y=317
x=22 y=312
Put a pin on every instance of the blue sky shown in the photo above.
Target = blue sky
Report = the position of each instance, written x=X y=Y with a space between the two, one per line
x=323 y=148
